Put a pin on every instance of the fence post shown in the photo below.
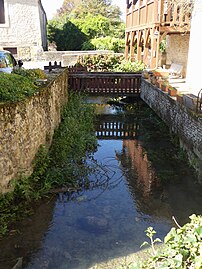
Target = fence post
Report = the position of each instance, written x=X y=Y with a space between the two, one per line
x=50 y=67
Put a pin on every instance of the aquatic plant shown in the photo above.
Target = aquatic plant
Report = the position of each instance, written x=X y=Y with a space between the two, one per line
x=63 y=165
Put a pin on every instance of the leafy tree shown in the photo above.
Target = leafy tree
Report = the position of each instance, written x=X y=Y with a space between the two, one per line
x=93 y=26
x=85 y=24
x=95 y=7
x=68 y=6
x=65 y=34
x=80 y=8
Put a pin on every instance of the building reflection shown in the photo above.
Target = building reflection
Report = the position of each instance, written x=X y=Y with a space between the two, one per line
x=135 y=156
x=179 y=197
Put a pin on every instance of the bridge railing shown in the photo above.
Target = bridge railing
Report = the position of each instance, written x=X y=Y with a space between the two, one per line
x=118 y=83
x=76 y=69
x=116 y=129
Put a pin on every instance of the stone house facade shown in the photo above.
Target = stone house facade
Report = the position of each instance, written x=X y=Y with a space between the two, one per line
x=23 y=28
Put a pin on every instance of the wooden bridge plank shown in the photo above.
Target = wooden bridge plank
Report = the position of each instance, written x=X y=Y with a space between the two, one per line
x=105 y=83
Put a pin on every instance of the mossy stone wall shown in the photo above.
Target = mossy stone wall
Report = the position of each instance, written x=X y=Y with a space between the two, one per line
x=183 y=122
x=24 y=126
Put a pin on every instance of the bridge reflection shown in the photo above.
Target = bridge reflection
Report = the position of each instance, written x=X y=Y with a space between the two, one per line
x=116 y=128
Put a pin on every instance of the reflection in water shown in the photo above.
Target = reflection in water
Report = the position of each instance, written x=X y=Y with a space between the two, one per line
x=125 y=195
x=135 y=156
x=180 y=197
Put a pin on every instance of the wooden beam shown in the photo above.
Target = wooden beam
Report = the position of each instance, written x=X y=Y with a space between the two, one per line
x=156 y=10
x=126 y=45
x=132 y=43
x=175 y=29
x=154 y=48
x=146 y=37
x=139 y=45
x=163 y=36
x=160 y=10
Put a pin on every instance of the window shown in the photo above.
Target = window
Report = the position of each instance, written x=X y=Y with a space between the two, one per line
x=12 y=50
x=2 y=12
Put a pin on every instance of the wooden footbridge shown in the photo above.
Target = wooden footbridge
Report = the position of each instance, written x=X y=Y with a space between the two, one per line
x=104 y=83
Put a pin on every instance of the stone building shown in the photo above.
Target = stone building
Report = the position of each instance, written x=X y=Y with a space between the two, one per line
x=23 y=28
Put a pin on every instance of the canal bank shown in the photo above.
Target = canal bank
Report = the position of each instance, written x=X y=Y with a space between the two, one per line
x=183 y=122
x=138 y=181
x=26 y=125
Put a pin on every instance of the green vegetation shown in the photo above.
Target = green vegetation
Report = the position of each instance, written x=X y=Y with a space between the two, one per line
x=65 y=34
x=14 y=87
x=110 y=63
x=73 y=141
x=20 y=84
x=32 y=74
x=63 y=166
x=87 y=25
x=182 y=248
x=128 y=66
x=106 y=43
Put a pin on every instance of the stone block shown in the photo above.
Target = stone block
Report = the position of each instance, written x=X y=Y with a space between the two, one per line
x=190 y=101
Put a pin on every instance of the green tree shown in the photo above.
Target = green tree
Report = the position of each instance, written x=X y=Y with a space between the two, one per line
x=65 y=34
x=90 y=19
x=95 y=7
x=93 y=26
x=80 y=8
x=68 y=6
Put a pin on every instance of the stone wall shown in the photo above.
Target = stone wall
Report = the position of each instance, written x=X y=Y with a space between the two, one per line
x=180 y=120
x=26 y=125
x=24 y=28
x=177 y=50
x=70 y=57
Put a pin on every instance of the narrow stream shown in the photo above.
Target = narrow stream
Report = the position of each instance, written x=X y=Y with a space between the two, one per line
x=138 y=182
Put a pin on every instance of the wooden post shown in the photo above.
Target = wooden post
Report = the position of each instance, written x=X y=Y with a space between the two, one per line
x=139 y=47
x=132 y=53
x=155 y=37
x=155 y=10
x=132 y=13
x=126 y=46
x=160 y=11
x=146 y=46
x=50 y=67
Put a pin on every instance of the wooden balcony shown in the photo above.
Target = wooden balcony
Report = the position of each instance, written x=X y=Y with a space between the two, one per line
x=147 y=24
x=148 y=13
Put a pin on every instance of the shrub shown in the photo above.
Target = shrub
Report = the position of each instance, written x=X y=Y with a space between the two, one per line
x=32 y=74
x=182 y=248
x=109 y=43
x=128 y=66
x=111 y=62
x=14 y=87
x=100 y=62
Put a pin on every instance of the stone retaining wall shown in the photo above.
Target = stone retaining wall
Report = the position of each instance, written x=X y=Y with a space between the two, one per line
x=26 y=125
x=177 y=50
x=70 y=57
x=181 y=121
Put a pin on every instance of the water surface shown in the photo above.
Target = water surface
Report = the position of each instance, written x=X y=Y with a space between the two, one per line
x=138 y=182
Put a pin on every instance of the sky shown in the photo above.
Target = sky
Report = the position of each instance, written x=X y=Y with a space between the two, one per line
x=51 y=8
